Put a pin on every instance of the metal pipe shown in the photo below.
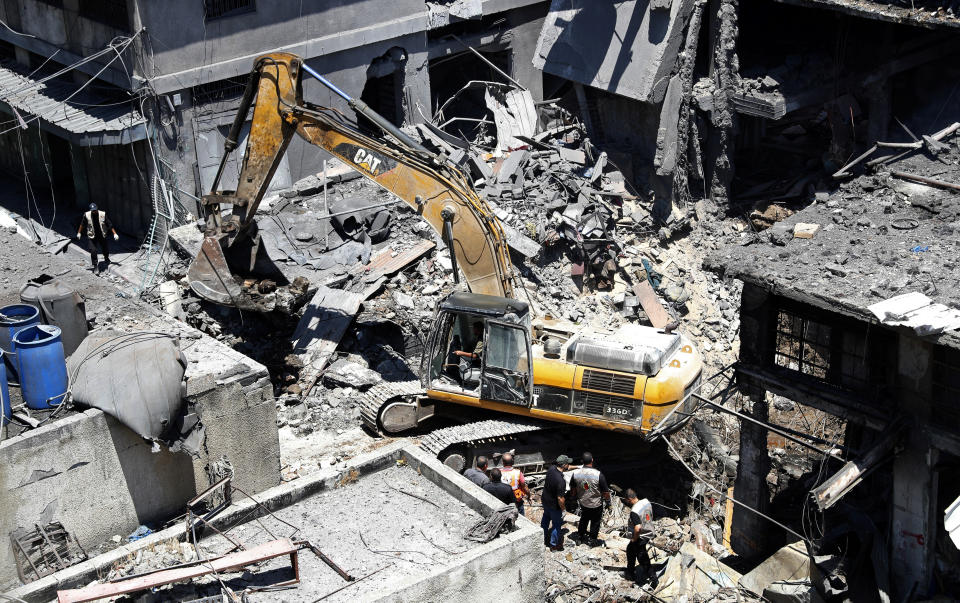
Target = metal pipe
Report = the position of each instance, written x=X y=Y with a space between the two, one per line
x=326 y=83
x=489 y=62
x=362 y=108
x=239 y=119
x=447 y=216
x=776 y=429
x=326 y=207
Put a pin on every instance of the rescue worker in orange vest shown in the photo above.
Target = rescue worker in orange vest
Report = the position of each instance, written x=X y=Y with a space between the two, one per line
x=513 y=477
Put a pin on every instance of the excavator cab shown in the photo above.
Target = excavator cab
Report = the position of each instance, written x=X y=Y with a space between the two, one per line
x=495 y=332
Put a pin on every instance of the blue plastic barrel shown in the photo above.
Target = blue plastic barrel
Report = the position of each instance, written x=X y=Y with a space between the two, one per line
x=42 y=366
x=12 y=320
x=7 y=413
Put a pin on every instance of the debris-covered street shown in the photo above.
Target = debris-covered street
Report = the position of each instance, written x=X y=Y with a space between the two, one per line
x=533 y=300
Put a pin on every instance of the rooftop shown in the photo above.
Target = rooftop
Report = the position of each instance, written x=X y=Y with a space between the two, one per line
x=879 y=236
x=82 y=116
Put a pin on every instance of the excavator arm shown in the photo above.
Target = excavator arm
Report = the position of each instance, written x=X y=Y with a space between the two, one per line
x=437 y=191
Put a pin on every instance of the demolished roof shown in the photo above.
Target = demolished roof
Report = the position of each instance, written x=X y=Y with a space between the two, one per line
x=86 y=119
x=879 y=237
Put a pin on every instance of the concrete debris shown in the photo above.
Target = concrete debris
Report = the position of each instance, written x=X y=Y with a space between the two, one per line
x=790 y=564
x=802 y=230
x=169 y=292
x=318 y=333
x=917 y=311
x=344 y=373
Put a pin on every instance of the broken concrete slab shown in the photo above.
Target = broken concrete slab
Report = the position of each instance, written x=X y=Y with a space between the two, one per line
x=790 y=563
x=694 y=572
x=667 y=135
x=324 y=321
x=169 y=292
x=344 y=373
x=520 y=242
x=512 y=166
x=514 y=114
x=627 y=48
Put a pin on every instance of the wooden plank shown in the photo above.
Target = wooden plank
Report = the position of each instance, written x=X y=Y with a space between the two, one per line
x=728 y=520
x=385 y=264
x=270 y=550
x=651 y=303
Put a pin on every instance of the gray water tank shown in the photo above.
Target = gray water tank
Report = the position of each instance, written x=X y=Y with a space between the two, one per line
x=61 y=306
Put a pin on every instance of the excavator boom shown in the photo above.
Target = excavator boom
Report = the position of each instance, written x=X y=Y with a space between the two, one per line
x=437 y=191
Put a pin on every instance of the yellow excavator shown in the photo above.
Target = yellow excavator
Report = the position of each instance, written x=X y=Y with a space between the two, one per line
x=485 y=350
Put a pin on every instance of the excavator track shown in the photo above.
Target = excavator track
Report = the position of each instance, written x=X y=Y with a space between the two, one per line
x=475 y=433
x=372 y=400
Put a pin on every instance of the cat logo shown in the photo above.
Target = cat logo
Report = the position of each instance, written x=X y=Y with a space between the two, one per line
x=367 y=160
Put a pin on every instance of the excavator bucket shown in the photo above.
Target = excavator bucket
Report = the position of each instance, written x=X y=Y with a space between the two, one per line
x=210 y=276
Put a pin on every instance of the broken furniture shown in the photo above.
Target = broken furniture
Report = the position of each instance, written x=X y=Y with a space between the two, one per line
x=44 y=550
x=264 y=552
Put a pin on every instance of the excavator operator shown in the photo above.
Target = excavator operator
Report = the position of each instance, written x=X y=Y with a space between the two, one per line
x=470 y=363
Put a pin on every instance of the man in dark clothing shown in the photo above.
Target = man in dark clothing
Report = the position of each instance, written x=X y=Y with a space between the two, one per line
x=554 y=489
x=478 y=475
x=502 y=491
x=590 y=488
x=97 y=225
x=638 y=526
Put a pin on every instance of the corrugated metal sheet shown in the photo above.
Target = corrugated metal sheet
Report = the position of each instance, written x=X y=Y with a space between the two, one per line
x=86 y=119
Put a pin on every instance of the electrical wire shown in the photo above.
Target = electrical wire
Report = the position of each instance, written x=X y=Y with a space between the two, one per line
x=677 y=456
x=19 y=33
x=9 y=98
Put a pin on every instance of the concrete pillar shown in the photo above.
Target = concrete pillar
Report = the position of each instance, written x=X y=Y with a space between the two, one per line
x=416 y=83
x=748 y=535
x=913 y=528
x=525 y=25
x=748 y=530
x=914 y=519
x=878 y=107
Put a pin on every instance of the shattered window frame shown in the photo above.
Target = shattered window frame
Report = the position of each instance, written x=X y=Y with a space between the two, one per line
x=220 y=9
x=219 y=90
x=112 y=13
x=857 y=358
x=799 y=340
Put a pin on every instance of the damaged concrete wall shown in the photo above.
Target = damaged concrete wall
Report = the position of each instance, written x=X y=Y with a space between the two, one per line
x=93 y=475
x=239 y=417
x=629 y=48
x=196 y=50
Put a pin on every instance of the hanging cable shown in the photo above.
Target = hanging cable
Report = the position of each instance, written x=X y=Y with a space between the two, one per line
x=731 y=499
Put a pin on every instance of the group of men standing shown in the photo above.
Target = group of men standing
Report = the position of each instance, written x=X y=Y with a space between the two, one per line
x=587 y=489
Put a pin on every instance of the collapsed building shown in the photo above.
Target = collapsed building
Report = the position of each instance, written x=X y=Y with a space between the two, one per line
x=618 y=143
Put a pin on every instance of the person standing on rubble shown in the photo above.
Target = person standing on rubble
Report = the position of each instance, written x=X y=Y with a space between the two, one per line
x=513 y=477
x=590 y=488
x=478 y=474
x=638 y=528
x=499 y=489
x=97 y=225
x=554 y=489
